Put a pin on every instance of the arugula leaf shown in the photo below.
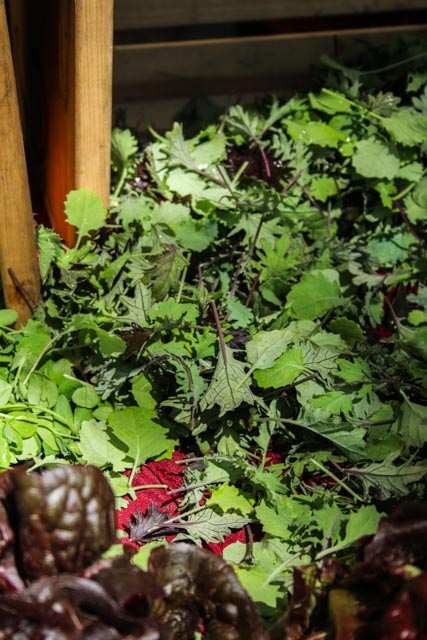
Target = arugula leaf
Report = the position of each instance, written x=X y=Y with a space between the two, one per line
x=123 y=146
x=212 y=526
x=387 y=479
x=411 y=424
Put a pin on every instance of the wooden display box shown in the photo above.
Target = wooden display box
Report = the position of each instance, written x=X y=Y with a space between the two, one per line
x=167 y=52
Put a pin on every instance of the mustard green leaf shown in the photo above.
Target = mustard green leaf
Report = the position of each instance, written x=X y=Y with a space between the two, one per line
x=240 y=315
x=357 y=370
x=123 y=146
x=97 y=448
x=141 y=392
x=349 y=330
x=329 y=102
x=315 y=133
x=420 y=193
x=406 y=127
x=285 y=370
x=323 y=187
x=374 y=159
x=213 y=526
x=417 y=317
x=229 y=386
x=266 y=346
x=230 y=498
x=85 y=211
x=388 y=479
x=196 y=235
x=317 y=292
x=335 y=402
x=412 y=423
x=209 y=152
x=86 y=397
x=143 y=436
x=171 y=213
x=109 y=343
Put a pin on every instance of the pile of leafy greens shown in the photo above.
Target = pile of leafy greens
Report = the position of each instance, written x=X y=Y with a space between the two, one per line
x=256 y=297
x=54 y=584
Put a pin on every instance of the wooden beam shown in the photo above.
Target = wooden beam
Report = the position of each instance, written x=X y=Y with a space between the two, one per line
x=18 y=261
x=135 y=14
x=234 y=65
x=93 y=95
x=55 y=42
x=73 y=41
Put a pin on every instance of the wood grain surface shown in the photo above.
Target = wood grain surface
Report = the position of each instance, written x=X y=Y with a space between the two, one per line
x=18 y=261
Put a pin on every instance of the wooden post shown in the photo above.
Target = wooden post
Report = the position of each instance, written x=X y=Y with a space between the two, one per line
x=78 y=44
x=18 y=261
x=93 y=95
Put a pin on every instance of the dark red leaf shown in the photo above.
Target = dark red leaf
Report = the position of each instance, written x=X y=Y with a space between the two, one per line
x=190 y=576
x=65 y=518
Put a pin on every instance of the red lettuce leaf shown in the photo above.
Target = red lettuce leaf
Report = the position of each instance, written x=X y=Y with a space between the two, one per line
x=65 y=518
x=191 y=575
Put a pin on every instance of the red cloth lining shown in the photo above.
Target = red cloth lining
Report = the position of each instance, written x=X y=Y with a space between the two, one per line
x=169 y=473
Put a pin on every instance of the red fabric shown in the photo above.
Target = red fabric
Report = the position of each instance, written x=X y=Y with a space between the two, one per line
x=235 y=536
x=166 y=472
x=170 y=473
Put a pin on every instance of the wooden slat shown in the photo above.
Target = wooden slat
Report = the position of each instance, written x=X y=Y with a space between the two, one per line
x=93 y=95
x=209 y=67
x=56 y=42
x=172 y=64
x=74 y=41
x=18 y=31
x=134 y=14
x=18 y=263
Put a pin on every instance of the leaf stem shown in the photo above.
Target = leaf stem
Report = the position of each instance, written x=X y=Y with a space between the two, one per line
x=402 y=213
x=342 y=484
x=30 y=418
x=45 y=350
x=119 y=186
x=292 y=181
x=280 y=568
x=198 y=485
x=135 y=464
x=179 y=516
x=140 y=487
x=221 y=343
x=394 y=65
x=359 y=107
